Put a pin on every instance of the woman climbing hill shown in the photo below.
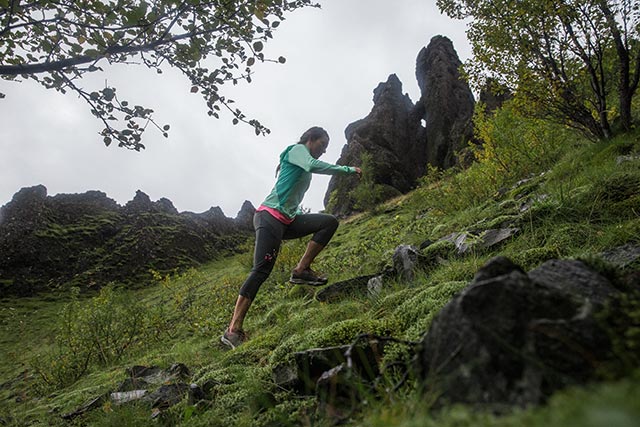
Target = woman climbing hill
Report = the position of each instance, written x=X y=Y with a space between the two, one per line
x=278 y=218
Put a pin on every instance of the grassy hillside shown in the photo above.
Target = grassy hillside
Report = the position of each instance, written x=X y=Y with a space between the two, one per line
x=60 y=351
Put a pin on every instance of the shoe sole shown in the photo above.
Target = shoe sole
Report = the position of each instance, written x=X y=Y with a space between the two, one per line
x=308 y=282
x=227 y=342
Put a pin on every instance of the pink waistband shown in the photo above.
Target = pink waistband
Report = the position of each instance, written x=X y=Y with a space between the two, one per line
x=276 y=214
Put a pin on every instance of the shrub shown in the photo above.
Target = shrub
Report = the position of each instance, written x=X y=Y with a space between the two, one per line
x=98 y=331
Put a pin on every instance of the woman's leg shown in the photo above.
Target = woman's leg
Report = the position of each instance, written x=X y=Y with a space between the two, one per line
x=322 y=226
x=268 y=238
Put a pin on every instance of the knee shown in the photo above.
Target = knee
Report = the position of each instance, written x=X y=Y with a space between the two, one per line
x=332 y=223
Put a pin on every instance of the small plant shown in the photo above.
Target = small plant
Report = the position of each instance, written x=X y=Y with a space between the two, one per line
x=98 y=331
x=369 y=194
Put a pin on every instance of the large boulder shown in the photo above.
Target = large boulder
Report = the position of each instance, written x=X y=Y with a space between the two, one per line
x=512 y=338
x=446 y=104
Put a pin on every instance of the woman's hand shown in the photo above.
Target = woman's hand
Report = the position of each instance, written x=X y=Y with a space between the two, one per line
x=358 y=171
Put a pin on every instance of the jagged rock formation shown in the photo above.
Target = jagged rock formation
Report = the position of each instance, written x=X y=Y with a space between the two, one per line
x=88 y=239
x=398 y=146
x=446 y=103
x=388 y=135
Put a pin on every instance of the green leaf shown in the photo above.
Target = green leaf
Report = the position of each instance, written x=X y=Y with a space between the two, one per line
x=258 y=46
x=108 y=93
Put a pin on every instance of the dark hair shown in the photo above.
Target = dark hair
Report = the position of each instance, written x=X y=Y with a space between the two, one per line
x=313 y=134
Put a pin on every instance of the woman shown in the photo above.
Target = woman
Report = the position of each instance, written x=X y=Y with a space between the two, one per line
x=278 y=218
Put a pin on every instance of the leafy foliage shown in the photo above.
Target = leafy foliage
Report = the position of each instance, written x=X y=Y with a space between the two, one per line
x=568 y=57
x=211 y=42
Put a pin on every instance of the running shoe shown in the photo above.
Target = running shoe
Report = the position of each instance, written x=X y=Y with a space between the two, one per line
x=308 y=277
x=233 y=339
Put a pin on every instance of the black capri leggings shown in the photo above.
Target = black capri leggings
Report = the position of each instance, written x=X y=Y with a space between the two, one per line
x=269 y=235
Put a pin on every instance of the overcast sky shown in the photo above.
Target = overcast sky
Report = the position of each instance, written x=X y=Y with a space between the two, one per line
x=336 y=56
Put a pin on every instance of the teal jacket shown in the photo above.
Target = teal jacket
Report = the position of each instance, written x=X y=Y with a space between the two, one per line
x=296 y=167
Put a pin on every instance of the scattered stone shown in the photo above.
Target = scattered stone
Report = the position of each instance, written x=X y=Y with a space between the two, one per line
x=466 y=241
x=406 y=260
x=622 y=256
x=151 y=385
x=89 y=406
x=492 y=237
x=629 y=158
x=530 y=202
x=374 y=285
x=303 y=372
x=122 y=397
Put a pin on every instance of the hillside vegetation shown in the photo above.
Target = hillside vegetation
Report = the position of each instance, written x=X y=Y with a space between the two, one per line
x=59 y=351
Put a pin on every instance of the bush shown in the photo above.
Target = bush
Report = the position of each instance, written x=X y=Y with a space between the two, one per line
x=98 y=331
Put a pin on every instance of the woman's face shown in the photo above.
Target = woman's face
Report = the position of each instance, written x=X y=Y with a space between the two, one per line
x=318 y=147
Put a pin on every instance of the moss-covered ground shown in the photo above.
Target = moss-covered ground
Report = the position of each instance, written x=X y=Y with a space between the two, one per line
x=59 y=351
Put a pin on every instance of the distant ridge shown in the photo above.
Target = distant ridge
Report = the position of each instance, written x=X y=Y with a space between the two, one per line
x=88 y=240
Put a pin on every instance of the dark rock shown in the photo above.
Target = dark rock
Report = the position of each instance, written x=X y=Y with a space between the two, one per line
x=392 y=136
x=158 y=388
x=375 y=285
x=574 y=278
x=345 y=288
x=388 y=136
x=513 y=339
x=89 y=406
x=446 y=103
x=622 y=256
x=88 y=240
x=244 y=219
x=406 y=261
x=496 y=267
x=196 y=394
x=302 y=374
x=338 y=393
x=140 y=203
x=167 y=395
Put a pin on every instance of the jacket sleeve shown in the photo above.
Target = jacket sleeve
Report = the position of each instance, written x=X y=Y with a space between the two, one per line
x=299 y=155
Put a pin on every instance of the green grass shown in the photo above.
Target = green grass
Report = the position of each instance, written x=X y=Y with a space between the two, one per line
x=590 y=204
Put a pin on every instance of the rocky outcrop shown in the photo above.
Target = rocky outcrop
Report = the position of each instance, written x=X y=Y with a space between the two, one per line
x=446 y=103
x=391 y=142
x=89 y=240
x=388 y=137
